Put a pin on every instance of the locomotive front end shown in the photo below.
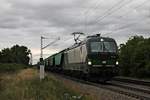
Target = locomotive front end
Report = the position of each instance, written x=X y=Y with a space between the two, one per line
x=102 y=57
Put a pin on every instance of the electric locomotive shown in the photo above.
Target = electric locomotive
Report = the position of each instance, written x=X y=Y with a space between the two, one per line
x=95 y=57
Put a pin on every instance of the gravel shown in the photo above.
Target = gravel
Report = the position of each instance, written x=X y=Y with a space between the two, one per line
x=95 y=93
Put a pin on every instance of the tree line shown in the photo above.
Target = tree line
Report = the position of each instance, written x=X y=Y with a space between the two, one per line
x=134 y=57
x=16 y=54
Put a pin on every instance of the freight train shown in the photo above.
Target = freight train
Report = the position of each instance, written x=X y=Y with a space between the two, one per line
x=96 y=57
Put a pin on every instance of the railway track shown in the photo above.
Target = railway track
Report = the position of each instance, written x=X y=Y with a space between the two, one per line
x=129 y=88
x=134 y=87
x=138 y=91
x=132 y=80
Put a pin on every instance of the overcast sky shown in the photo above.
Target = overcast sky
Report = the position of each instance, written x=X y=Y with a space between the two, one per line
x=24 y=21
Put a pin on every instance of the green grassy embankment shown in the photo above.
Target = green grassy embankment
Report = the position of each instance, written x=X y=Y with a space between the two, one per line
x=25 y=85
x=6 y=68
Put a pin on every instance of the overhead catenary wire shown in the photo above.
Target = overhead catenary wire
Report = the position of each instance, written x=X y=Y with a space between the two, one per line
x=112 y=10
x=108 y=12
x=131 y=24
x=97 y=3
x=67 y=40
x=84 y=13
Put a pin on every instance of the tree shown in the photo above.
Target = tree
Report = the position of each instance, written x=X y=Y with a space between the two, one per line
x=135 y=57
x=6 y=56
x=16 y=54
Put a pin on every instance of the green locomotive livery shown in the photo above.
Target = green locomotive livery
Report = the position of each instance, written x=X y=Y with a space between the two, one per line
x=95 y=57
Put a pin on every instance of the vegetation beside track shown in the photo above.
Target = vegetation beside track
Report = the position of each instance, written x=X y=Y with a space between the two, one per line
x=135 y=57
x=25 y=85
x=16 y=54
x=13 y=67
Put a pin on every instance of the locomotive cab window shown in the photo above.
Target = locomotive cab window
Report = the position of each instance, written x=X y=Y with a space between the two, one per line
x=110 y=47
x=96 y=47
x=103 y=47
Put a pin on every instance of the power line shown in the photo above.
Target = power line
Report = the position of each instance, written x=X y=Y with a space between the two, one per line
x=84 y=13
x=93 y=7
x=107 y=12
x=125 y=26
x=112 y=10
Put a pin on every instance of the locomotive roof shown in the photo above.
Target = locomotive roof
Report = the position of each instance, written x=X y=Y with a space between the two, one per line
x=94 y=37
x=90 y=38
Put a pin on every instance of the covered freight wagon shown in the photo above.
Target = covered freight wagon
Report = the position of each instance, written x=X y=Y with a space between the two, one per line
x=58 y=61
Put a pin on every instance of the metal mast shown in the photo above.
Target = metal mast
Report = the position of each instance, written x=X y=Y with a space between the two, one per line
x=42 y=71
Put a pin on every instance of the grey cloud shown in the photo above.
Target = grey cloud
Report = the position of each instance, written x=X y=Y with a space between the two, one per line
x=23 y=22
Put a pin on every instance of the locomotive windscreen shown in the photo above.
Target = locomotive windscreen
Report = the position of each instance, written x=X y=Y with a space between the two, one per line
x=105 y=46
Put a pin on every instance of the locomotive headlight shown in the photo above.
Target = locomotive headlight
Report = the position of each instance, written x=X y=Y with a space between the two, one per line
x=89 y=63
x=117 y=63
x=103 y=62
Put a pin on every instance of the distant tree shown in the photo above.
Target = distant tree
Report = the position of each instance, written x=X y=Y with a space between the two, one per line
x=16 y=54
x=6 y=56
x=135 y=57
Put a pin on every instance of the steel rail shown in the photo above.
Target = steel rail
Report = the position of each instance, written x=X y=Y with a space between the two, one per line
x=111 y=86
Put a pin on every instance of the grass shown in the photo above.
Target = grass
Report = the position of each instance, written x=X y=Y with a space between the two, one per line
x=25 y=85
x=11 y=67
